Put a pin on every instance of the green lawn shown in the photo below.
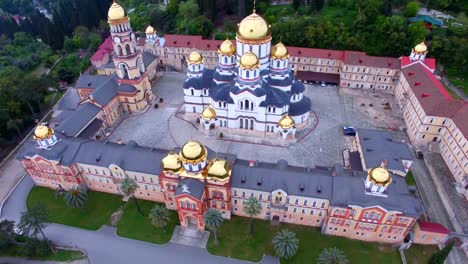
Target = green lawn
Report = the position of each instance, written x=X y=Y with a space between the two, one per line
x=459 y=79
x=135 y=226
x=96 y=212
x=59 y=255
x=410 y=179
x=235 y=243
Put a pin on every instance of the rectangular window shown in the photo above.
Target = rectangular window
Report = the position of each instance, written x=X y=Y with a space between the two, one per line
x=295 y=210
x=260 y=196
x=243 y=194
x=305 y=202
x=235 y=193
x=296 y=202
x=303 y=211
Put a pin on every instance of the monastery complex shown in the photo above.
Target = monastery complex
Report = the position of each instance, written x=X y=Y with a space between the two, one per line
x=249 y=85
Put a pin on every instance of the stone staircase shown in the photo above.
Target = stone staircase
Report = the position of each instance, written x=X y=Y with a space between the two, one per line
x=190 y=237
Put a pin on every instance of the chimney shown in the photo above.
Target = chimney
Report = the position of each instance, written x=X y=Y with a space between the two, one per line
x=425 y=95
x=417 y=83
x=119 y=141
x=383 y=164
x=251 y=163
x=410 y=73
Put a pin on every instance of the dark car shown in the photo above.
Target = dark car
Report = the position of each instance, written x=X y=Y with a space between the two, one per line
x=349 y=131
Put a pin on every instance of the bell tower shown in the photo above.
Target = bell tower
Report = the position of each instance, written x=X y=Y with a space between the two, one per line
x=127 y=59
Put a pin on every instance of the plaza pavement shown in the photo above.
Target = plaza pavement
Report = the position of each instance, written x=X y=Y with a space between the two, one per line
x=160 y=128
x=104 y=246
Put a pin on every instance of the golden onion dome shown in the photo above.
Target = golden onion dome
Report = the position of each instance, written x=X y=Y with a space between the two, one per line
x=420 y=48
x=219 y=168
x=172 y=162
x=149 y=30
x=249 y=61
x=193 y=151
x=195 y=58
x=279 y=51
x=43 y=132
x=380 y=176
x=227 y=48
x=286 y=122
x=253 y=27
x=115 y=12
x=209 y=113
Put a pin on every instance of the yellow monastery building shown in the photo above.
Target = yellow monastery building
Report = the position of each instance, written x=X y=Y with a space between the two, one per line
x=371 y=205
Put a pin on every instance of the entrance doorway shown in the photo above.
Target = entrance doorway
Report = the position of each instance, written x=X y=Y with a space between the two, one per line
x=192 y=222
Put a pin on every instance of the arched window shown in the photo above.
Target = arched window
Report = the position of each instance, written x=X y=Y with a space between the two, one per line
x=246 y=123
x=247 y=73
x=123 y=71
x=224 y=104
x=225 y=59
x=119 y=50
x=251 y=124
x=219 y=104
x=241 y=105
x=251 y=106
x=127 y=49
x=191 y=91
x=141 y=67
x=241 y=122
x=277 y=64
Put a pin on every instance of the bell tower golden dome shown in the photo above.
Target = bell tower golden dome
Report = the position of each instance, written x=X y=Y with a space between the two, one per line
x=115 y=12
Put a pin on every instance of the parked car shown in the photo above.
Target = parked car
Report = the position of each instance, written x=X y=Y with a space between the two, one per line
x=322 y=84
x=419 y=154
x=349 y=131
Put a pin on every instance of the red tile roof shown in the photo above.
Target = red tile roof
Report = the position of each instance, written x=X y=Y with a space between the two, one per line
x=105 y=48
x=461 y=119
x=431 y=94
x=360 y=58
x=186 y=41
x=429 y=62
x=316 y=53
x=433 y=227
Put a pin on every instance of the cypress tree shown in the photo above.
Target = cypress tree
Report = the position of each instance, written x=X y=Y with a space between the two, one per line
x=440 y=256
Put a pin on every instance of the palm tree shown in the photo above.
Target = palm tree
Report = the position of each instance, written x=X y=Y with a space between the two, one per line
x=213 y=221
x=76 y=197
x=252 y=207
x=285 y=243
x=128 y=187
x=332 y=256
x=159 y=216
x=33 y=221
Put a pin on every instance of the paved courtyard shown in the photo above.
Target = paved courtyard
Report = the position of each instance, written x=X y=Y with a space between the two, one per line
x=161 y=127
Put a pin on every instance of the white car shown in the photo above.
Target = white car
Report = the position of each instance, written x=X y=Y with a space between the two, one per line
x=322 y=84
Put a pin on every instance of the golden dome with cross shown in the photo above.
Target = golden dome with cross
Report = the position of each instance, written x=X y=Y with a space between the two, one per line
x=115 y=12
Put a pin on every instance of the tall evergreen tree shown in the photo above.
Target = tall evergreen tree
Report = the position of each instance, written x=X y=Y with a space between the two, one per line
x=440 y=256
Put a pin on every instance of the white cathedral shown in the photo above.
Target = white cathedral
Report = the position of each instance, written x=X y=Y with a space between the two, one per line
x=251 y=90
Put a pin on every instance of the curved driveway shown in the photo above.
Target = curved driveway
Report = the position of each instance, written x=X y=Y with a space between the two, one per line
x=104 y=246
